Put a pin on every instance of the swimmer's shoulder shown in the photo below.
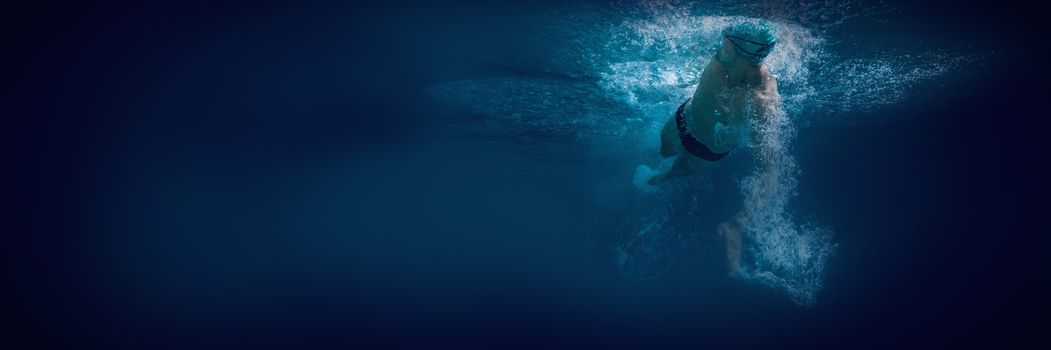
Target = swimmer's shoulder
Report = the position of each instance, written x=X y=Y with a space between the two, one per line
x=766 y=87
x=767 y=81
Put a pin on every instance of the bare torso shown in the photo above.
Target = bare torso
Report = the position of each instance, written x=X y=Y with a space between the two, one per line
x=719 y=113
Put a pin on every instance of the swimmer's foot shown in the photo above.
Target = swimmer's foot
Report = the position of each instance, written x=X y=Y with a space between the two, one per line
x=643 y=179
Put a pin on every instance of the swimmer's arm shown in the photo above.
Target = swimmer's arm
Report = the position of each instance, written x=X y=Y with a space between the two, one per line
x=707 y=82
x=768 y=111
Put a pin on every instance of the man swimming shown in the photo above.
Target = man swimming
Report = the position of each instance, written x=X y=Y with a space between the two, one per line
x=735 y=92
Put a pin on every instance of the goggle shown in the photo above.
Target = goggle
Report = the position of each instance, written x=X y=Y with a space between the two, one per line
x=752 y=48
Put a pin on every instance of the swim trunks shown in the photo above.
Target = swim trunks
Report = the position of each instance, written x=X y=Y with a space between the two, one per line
x=690 y=143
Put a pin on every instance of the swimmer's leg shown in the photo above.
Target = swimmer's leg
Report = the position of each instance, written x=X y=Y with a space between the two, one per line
x=731 y=231
x=679 y=169
x=669 y=139
x=684 y=165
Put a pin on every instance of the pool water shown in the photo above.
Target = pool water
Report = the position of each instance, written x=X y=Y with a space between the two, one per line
x=341 y=174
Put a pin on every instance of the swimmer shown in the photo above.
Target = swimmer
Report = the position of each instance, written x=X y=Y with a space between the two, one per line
x=734 y=92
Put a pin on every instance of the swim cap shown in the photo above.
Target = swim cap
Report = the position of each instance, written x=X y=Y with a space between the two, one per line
x=753 y=41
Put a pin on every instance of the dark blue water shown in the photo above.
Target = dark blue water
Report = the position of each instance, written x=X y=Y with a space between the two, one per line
x=337 y=175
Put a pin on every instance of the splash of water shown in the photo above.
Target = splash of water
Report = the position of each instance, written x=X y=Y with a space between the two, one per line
x=657 y=61
x=779 y=253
